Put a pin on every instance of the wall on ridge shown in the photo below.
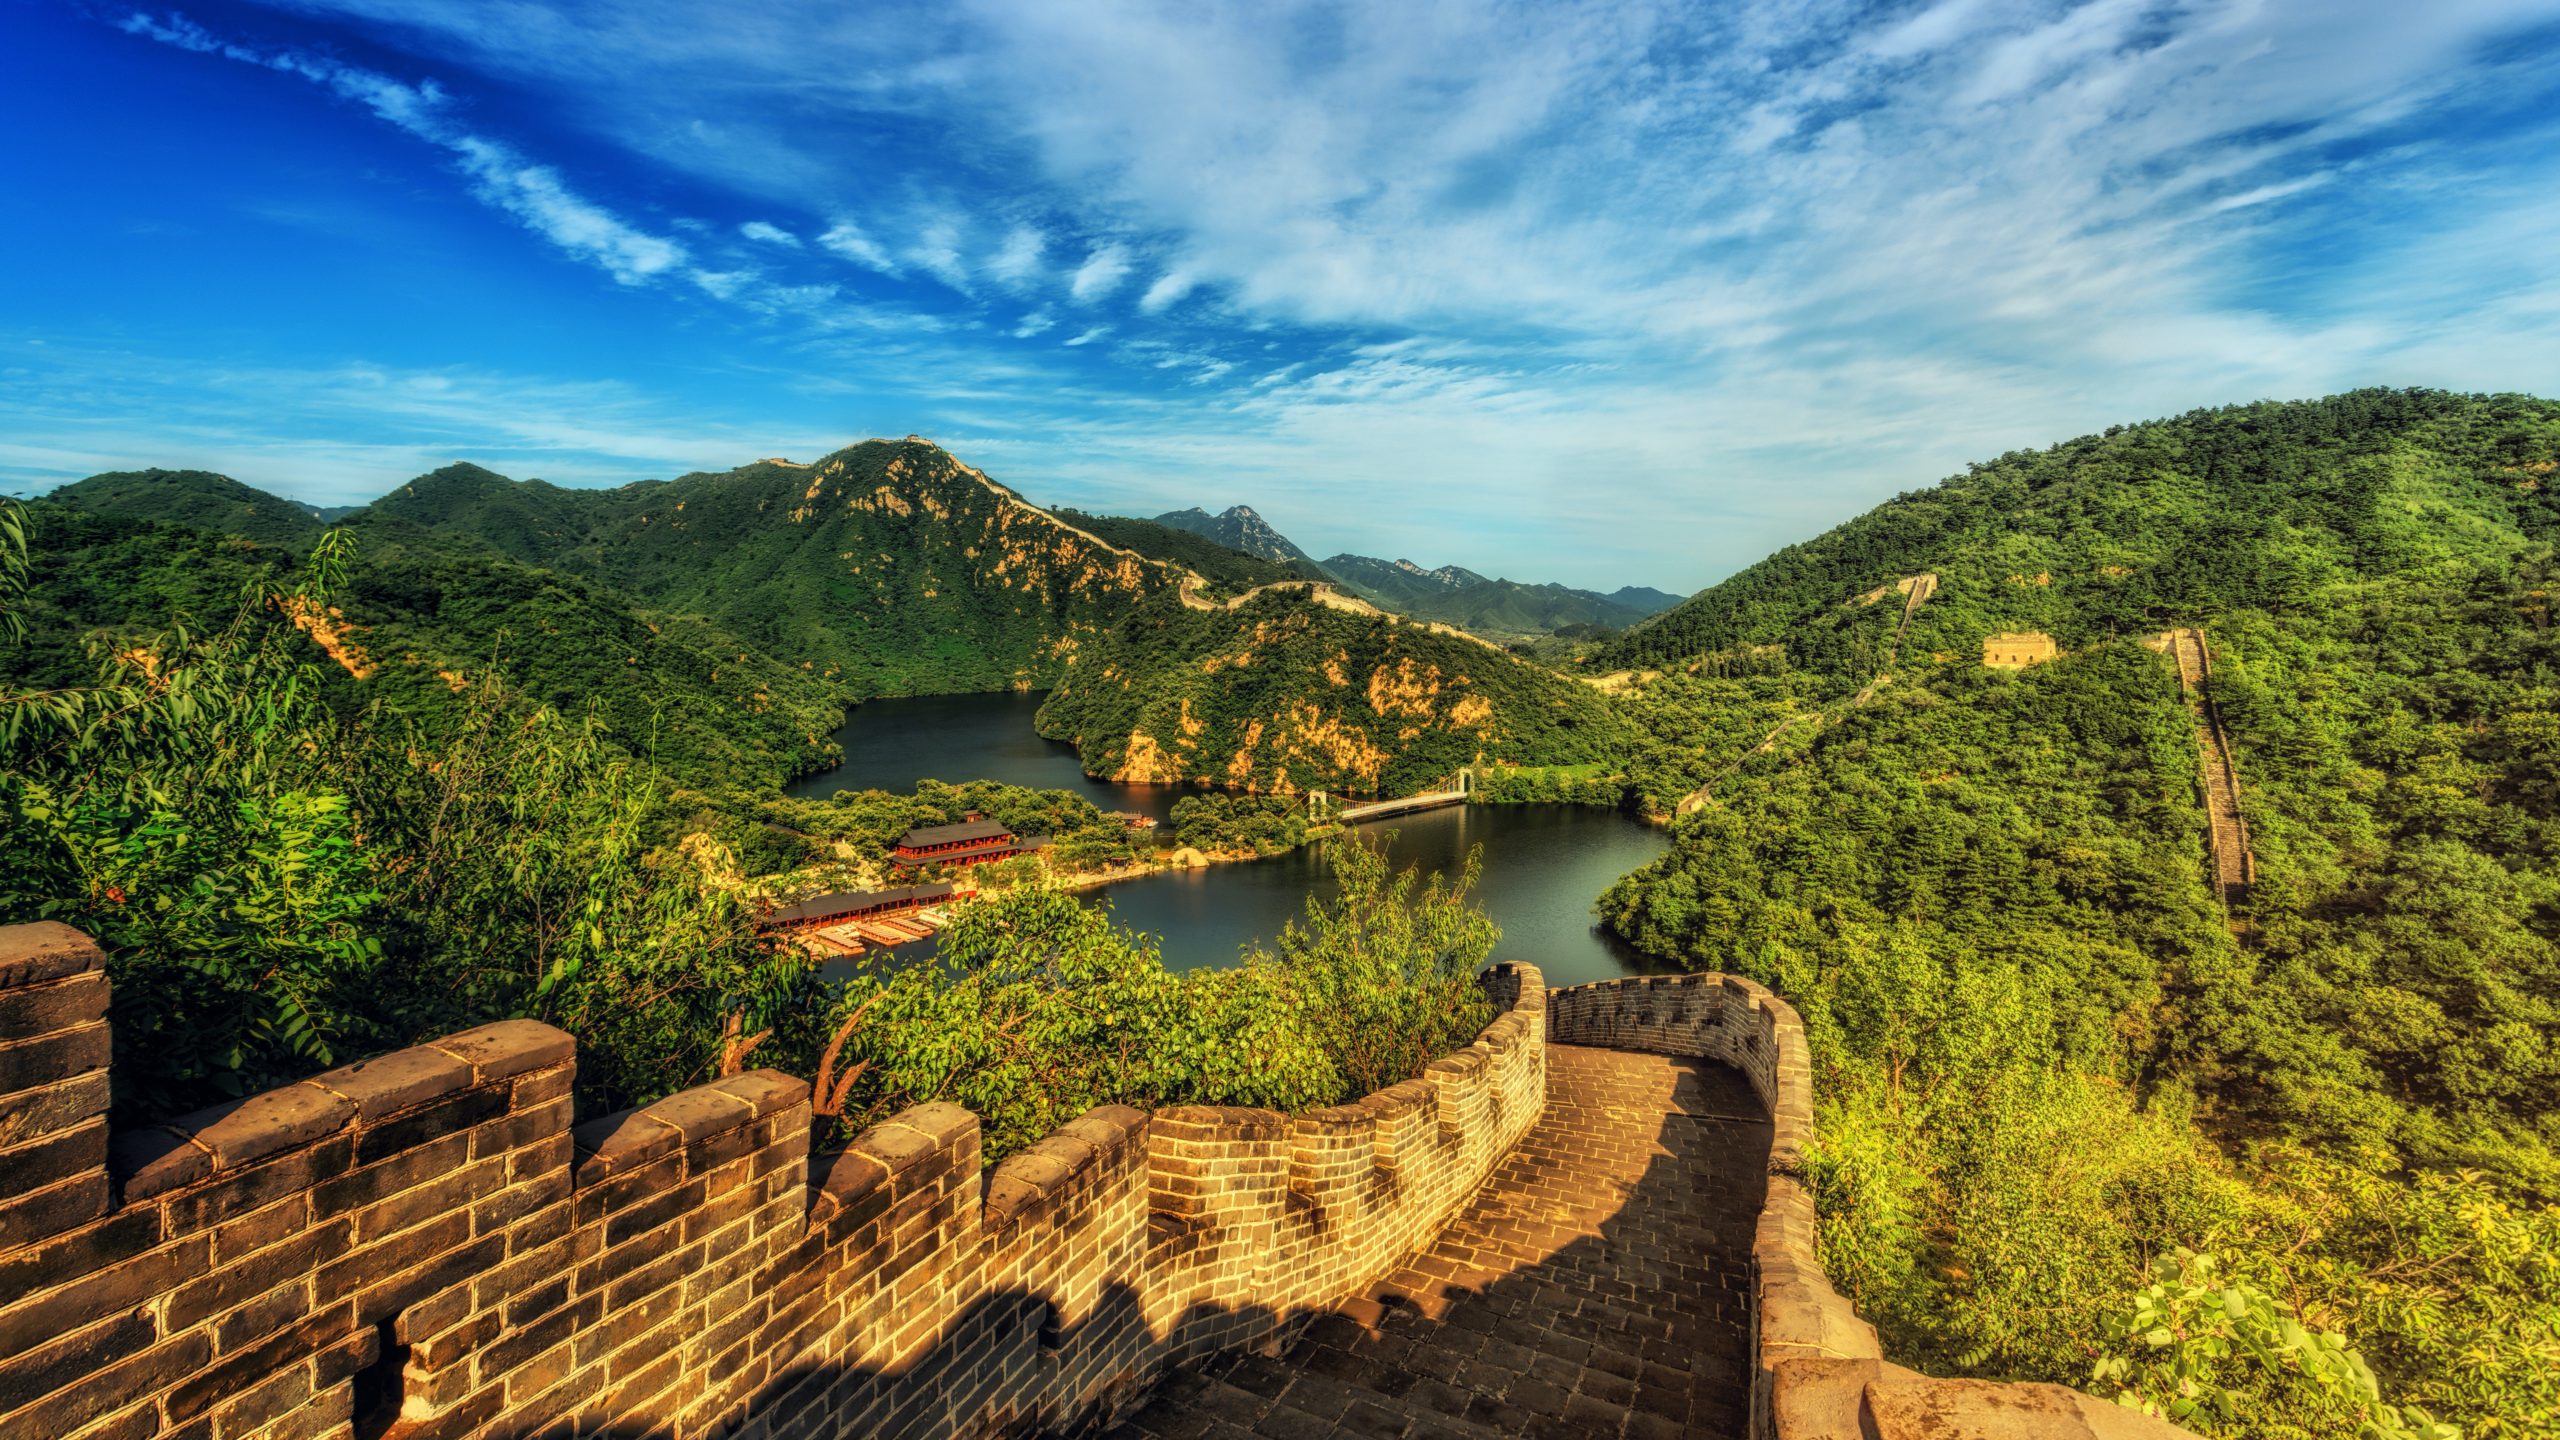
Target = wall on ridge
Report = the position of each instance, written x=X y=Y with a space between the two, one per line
x=1820 y=1373
x=425 y=1244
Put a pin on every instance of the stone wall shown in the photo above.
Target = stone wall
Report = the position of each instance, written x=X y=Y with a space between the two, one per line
x=1820 y=1373
x=427 y=1245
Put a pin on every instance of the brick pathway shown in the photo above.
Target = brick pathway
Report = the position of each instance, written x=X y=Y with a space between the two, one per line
x=1595 y=1287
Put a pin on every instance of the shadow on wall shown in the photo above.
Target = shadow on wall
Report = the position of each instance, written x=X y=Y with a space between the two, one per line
x=425 y=1239
x=1598 y=1285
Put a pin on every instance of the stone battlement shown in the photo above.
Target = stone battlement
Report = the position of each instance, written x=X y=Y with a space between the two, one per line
x=1820 y=1373
x=427 y=1245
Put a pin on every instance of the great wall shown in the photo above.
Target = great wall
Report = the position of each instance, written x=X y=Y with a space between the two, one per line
x=1592 y=1220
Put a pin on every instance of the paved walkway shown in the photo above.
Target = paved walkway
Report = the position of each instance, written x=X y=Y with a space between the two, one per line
x=1597 y=1286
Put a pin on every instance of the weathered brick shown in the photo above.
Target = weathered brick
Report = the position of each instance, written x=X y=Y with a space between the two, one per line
x=234 y=1193
x=289 y=1263
x=76 y=1253
x=154 y=1159
x=28 y=1320
x=236 y=1374
x=391 y=1174
x=433 y=1121
x=57 y=1157
x=387 y=1298
x=42 y=1214
x=32 y=1010
x=401 y=1080
x=45 y=1059
x=521 y=1128
x=109 y=1379
x=508 y=1048
x=42 y=950
x=56 y=1105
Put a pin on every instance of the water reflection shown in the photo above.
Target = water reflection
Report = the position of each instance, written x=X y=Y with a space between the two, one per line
x=1543 y=864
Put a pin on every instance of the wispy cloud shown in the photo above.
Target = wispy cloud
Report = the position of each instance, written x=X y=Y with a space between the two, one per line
x=1746 y=266
x=1100 y=274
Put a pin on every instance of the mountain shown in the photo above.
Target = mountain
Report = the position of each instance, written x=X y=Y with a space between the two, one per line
x=1226 y=569
x=889 y=566
x=417 y=624
x=1237 y=528
x=197 y=498
x=1642 y=598
x=2146 y=526
x=1461 y=597
x=2047 y=1048
x=1296 y=689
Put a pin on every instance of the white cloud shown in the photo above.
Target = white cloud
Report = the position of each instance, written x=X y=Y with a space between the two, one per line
x=1100 y=274
x=1169 y=287
x=936 y=251
x=768 y=233
x=1017 y=261
x=1033 y=323
x=1675 y=257
x=534 y=194
x=847 y=239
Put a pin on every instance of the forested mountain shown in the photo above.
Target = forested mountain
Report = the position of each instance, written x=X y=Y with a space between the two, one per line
x=889 y=566
x=2044 y=1055
x=197 y=498
x=1227 y=570
x=1237 y=528
x=1281 y=693
x=1461 y=597
x=421 y=626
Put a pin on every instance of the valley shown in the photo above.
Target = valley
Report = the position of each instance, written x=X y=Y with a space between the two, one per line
x=2267 y=958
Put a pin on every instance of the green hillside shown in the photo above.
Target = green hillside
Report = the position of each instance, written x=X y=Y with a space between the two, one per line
x=1461 y=597
x=1288 y=693
x=1228 y=571
x=420 y=624
x=2044 y=1055
x=889 y=566
x=2143 y=527
x=197 y=498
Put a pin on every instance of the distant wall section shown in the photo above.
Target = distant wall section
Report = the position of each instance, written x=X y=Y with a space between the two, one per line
x=1821 y=1375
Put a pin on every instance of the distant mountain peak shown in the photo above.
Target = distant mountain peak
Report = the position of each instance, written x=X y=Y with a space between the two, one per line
x=1238 y=528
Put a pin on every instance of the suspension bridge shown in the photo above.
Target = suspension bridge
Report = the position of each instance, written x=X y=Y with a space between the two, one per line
x=1450 y=789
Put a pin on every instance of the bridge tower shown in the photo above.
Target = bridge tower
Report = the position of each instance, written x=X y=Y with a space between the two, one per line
x=1319 y=804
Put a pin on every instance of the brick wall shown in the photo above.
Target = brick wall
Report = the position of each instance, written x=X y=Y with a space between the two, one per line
x=426 y=1245
x=1821 y=1375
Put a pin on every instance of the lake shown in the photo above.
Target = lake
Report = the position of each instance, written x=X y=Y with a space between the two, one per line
x=1543 y=864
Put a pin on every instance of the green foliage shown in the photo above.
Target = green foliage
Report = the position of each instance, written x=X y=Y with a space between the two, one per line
x=2043 y=1058
x=281 y=886
x=2200 y=1349
x=1283 y=694
x=888 y=568
x=1229 y=571
x=1043 y=1009
x=863 y=826
x=1262 y=824
x=1496 y=609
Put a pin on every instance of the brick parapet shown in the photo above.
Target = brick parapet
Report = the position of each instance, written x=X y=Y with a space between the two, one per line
x=1820 y=1372
x=426 y=1244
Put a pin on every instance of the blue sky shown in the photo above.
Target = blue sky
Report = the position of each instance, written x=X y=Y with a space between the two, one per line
x=1602 y=293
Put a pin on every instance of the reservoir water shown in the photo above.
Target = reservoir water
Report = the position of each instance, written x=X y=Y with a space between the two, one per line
x=1543 y=864
x=892 y=744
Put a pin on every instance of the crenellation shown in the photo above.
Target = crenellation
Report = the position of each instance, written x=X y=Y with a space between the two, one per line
x=1820 y=1368
x=433 y=1228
